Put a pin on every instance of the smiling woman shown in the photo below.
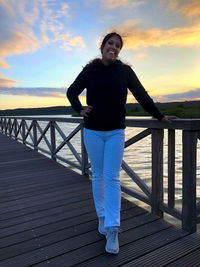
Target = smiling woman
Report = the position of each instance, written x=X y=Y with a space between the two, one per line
x=110 y=47
x=106 y=81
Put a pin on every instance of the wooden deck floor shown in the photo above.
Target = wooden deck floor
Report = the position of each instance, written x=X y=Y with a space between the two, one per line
x=47 y=218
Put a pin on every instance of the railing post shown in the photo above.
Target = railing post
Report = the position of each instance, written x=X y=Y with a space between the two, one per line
x=9 y=127
x=171 y=168
x=53 y=139
x=6 y=125
x=35 y=135
x=84 y=156
x=1 y=124
x=23 y=131
x=189 y=181
x=15 y=130
x=157 y=171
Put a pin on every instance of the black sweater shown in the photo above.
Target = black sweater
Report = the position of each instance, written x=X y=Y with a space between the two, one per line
x=106 y=93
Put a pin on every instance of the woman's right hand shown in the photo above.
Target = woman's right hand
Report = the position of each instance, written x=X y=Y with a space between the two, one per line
x=168 y=118
x=85 y=112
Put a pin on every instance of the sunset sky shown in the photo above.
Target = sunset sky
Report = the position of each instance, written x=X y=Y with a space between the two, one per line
x=45 y=43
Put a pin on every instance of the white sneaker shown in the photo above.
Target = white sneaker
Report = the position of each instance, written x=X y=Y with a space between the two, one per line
x=112 y=244
x=101 y=228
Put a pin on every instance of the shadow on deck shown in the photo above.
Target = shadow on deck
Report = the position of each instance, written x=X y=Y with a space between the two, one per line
x=47 y=218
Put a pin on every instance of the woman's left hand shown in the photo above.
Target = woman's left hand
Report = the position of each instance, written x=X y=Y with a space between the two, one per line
x=168 y=118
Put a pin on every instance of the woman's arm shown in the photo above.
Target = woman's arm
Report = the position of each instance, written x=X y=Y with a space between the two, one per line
x=142 y=96
x=76 y=89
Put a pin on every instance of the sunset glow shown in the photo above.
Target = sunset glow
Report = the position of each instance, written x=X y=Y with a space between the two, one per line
x=45 y=43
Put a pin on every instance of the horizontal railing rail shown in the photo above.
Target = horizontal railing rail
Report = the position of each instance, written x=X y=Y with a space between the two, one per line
x=29 y=131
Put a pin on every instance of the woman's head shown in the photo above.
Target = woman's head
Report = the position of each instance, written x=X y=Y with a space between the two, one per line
x=110 y=47
x=108 y=36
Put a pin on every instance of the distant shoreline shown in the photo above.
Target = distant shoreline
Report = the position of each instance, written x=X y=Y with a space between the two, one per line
x=186 y=109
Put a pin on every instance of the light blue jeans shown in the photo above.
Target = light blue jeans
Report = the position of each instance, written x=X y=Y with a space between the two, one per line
x=105 y=151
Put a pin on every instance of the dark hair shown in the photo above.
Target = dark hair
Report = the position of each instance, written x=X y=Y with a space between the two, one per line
x=97 y=61
x=108 y=36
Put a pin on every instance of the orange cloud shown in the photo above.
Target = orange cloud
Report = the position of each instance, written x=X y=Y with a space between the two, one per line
x=18 y=42
x=111 y=4
x=7 y=7
x=135 y=37
x=67 y=41
x=7 y=82
x=191 y=9
x=3 y=64
x=16 y=38
x=28 y=25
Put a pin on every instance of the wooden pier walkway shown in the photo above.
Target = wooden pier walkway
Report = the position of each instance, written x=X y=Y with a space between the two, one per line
x=47 y=218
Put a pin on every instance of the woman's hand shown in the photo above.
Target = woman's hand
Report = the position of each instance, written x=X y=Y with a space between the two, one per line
x=168 y=118
x=85 y=112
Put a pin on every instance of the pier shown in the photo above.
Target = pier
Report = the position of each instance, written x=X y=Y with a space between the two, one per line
x=47 y=215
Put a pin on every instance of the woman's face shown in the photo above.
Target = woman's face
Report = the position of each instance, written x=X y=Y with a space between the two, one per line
x=111 y=50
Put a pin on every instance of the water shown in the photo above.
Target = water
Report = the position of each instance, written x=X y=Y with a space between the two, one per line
x=138 y=157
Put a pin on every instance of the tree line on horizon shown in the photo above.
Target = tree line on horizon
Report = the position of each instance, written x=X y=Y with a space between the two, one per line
x=186 y=109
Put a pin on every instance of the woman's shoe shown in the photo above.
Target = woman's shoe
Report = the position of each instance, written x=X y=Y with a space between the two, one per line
x=101 y=228
x=112 y=244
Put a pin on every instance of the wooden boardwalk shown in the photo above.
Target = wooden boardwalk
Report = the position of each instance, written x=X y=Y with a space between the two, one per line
x=47 y=218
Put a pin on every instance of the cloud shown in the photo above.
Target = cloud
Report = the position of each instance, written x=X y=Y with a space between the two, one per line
x=3 y=64
x=140 y=56
x=7 y=7
x=16 y=36
x=18 y=41
x=27 y=26
x=6 y=81
x=189 y=95
x=73 y=42
x=111 y=4
x=38 y=91
x=68 y=42
x=136 y=37
x=190 y=9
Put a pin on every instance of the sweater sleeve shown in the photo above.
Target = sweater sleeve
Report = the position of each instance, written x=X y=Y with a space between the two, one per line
x=76 y=89
x=142 y=96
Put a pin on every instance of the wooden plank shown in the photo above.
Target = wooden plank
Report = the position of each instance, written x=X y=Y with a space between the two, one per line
x=171 y=168
x=8 y=192
x=157 y=171
x=86 y=245
x=47 y=217
x=26 y=165
x=186 y=124
x=39 y=210
x=70 y=223
x=85 y=160
x=139 y=246
x=189 y=181
x=133 y=243
x=170 y=253
x=192 y=259
x=64 y=233
x=53 y=140
x=35 y=200
x=136 y=179
x=137 y=137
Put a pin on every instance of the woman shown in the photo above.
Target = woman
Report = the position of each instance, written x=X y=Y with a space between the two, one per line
x=106 y=81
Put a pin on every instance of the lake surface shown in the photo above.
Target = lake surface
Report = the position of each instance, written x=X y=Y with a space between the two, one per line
x=138 y=157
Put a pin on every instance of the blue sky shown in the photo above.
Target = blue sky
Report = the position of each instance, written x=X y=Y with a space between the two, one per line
x=45 y=43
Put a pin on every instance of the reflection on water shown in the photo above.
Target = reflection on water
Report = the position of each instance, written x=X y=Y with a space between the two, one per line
x=138 y=157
